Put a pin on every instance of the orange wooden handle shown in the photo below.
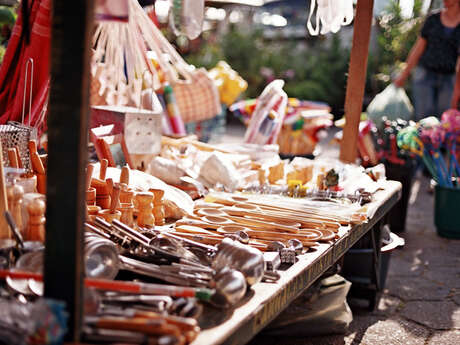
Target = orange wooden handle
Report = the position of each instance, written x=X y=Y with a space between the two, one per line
x=124 y=176
x=13 y=158
x=89 y=175
x=109 y=184
x=146 y=326
x=115 y=198
x=32 y=146
x=18 y=156
x=41 y=183
x=37 y=164
x=184 y=323
x=103 y=171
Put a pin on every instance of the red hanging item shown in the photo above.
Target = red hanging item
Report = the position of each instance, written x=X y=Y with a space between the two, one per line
x=12 y=70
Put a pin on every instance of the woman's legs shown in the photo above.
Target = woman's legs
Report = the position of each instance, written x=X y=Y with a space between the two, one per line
x=424 y=93
x=445 y=89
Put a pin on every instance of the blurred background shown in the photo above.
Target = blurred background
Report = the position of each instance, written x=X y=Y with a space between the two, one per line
x=267 y=39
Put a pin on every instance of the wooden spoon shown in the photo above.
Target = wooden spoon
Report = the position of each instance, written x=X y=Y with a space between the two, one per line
x=210 y=212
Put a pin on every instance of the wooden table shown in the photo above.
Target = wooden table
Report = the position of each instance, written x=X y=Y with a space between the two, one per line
x=267 y=300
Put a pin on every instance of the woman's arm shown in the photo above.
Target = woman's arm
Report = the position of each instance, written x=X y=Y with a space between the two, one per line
x=456 y=94
x=414 y=55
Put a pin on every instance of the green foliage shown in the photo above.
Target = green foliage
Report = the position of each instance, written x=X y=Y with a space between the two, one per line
x=316 y=72
x=7 y=15
x=323 y=75
x=395 y=38
x=2 y=53
x=315 y=69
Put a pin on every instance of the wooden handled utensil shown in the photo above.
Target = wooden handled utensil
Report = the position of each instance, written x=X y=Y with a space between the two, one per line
x=276 y=236
x=37 y=167
x=142 y=325
x=89 y=176
x=267 y=225
x=193 y=230
x=124 y=175
x=202 y=238
x=103 y=170
x=279 y=218
x=37 y=164
x=187 y=325
x=114 y=198
x=13 y=158
x=18 y=156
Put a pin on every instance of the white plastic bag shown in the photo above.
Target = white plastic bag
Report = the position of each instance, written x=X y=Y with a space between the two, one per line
x=392 y=103
x=332 y=14
x=186 y=17
x=219 y=169
x=268 y=116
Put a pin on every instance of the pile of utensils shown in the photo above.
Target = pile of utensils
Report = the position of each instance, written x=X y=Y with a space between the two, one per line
x=257 y=221
x=164 y=256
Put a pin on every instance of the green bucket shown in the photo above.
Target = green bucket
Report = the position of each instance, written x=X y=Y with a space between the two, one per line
x=446 y=211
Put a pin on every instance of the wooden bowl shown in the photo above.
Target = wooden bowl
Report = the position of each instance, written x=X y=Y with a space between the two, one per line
x=108 y=216
x=93 y=211
x=91 y=196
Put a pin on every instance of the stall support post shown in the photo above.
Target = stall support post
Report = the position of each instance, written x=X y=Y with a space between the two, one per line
x=356 y=80
x=67 y=156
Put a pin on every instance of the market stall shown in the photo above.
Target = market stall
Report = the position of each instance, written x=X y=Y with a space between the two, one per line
x=205 y=253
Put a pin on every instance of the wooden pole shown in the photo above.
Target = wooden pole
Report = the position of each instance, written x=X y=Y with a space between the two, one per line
x=67 y=156
x=356 y=80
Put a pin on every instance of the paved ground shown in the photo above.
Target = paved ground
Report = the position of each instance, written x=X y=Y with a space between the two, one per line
x=421 y=301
